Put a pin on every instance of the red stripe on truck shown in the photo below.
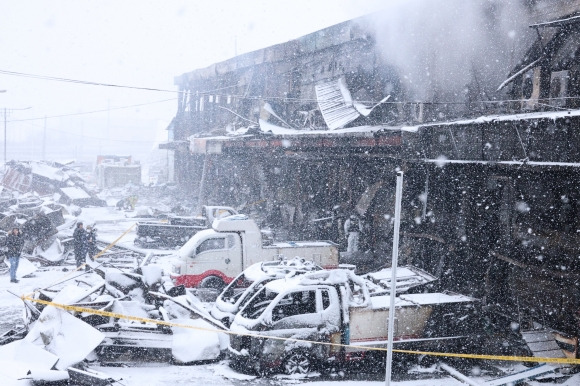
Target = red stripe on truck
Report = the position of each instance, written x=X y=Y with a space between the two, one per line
x=192 y=281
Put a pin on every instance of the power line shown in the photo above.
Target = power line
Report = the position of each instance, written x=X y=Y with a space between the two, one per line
x=94 y=111
x=247 y=97
x=91 y=83
x=90 y=137
x=45 y=77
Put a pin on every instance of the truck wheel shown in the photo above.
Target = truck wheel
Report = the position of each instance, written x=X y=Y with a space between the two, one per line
x=212 y=282
x=297 y=362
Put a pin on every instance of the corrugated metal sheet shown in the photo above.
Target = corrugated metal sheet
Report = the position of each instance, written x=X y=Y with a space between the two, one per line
x=335 y=103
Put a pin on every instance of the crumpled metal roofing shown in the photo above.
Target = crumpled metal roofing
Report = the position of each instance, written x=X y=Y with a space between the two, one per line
x=335 y=103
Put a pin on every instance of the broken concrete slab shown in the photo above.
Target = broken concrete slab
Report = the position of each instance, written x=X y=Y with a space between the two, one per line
x=152 y=274
x=524 y=375
x=51 y=255
x=134 y=309
x=45 y=178
x=65 y=336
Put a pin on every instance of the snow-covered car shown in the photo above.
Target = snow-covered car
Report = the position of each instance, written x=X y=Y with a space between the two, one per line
x=335 y=309
x=246 y=284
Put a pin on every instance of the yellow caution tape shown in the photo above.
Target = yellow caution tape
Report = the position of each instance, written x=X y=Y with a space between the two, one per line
x=567 y=361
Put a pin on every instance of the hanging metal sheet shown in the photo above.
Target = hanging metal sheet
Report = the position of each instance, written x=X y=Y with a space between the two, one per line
x=335 y=103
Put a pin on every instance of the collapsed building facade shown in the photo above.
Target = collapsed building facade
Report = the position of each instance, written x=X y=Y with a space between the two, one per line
x=302 y=134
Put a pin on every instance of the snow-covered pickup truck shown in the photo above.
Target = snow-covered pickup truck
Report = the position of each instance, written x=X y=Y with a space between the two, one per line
x=213 y=257
x=178 y=229
x=335 y=308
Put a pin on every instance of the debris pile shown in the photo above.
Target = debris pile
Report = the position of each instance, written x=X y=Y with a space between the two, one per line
x=42 y=199
x=42 y=179
x=110 y=316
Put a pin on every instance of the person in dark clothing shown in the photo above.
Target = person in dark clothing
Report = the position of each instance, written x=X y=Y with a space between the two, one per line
x=92 y=242
x=80 y=244
x=14 y=243
x=352 y=230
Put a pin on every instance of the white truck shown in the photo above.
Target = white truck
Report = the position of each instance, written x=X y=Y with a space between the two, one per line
x=213 y=257
x=329 y=318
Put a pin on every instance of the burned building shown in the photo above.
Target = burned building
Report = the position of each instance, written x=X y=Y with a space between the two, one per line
x=305 y=133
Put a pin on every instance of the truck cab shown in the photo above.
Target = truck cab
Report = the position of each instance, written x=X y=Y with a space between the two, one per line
x=308 y=313
x=214 y=255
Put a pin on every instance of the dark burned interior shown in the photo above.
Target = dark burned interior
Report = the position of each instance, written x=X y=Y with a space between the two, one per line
x=490 y=205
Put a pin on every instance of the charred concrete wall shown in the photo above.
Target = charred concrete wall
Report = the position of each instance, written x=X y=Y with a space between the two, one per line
x=277 y=82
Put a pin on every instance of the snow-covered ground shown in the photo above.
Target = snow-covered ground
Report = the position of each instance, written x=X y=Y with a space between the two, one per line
x=111 y=224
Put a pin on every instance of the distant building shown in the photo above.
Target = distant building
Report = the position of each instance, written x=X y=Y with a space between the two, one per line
x=116 y=171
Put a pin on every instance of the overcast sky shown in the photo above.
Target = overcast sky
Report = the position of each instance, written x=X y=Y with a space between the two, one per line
x=128 y=42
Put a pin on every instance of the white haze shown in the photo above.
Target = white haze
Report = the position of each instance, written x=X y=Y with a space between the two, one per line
x=438 y=45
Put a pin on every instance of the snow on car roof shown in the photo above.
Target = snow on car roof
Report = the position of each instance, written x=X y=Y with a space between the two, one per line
x=329 y=277
x=279 y=268
x=282 y=285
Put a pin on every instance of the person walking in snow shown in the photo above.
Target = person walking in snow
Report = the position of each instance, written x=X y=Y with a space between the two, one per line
x=80 y=244
x=14 y=243
x=352 y=230
x=92 y=241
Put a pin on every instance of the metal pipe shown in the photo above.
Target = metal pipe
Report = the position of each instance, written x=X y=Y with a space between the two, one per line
x=391 y=326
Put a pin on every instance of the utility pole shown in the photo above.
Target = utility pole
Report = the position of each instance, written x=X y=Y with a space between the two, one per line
x=5 y=119
x=4 y=138
x=391 y=322
x=44 y=141
x=3 y=91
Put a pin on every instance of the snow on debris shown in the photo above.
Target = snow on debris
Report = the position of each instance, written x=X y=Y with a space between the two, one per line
x=65 y=336
x=199 y=345
x=553 y=115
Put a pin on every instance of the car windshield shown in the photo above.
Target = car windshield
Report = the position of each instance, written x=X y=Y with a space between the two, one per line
x=235 y=289
x=259 y=303
x=249 y=293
